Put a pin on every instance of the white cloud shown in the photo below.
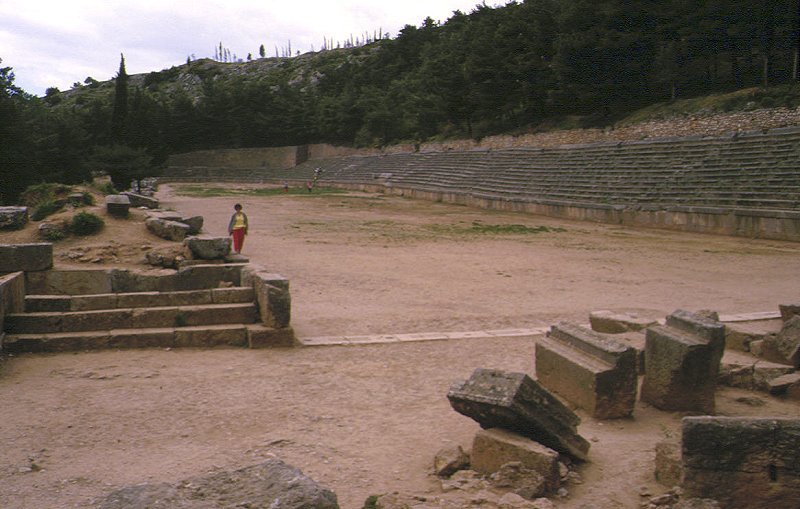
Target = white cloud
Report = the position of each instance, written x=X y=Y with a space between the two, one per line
x=57 y=43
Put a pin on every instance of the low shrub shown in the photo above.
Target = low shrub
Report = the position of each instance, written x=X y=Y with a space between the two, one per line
x=45 y=209
x=85 y=223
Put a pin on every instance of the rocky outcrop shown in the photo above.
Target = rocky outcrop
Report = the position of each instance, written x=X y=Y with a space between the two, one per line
x=13 y=218
x=269 y=485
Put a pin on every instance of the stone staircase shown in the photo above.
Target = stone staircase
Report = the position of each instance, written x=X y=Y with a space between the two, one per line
x=69 y=310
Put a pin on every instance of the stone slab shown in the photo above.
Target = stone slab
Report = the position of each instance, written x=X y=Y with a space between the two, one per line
x=594 y=372
x=118 y=205
x=611 y=322
x=25 y=257
x=683 y=360
x=206 y=247
x=513 y=401
x=269 y=485
x=744 y=463
x=739 y=335
x=259 y=336
x=211 y=336
x=493 y=448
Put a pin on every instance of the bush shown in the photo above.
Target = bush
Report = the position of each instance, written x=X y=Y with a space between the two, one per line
x=45 y=209
x=85 y=223
x=38 y=194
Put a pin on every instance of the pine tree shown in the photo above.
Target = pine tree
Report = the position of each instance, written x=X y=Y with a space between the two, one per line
x=262 y=51
x=120 y=113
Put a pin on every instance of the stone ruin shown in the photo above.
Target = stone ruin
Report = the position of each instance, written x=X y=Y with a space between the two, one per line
x=529 y=438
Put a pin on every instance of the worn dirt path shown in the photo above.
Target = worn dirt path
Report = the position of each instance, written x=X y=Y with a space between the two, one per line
x=368 y=419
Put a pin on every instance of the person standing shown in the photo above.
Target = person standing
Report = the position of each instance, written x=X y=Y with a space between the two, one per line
x=237 y=228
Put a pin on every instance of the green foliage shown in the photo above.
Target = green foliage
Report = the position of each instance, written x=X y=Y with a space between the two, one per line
x=123 y=164
x=38 y=194
x=53 y=234
x=85 y=223
x=45 y=209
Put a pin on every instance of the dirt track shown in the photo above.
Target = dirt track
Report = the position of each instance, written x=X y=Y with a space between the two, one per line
x=368 y=419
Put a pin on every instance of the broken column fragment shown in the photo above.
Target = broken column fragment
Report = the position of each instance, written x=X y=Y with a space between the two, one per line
x=514 y=401
x=592 y=371
x=742 y=463
x=682 y=359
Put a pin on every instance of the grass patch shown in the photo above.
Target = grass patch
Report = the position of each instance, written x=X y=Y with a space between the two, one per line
x=478 y=228
x=212 y=192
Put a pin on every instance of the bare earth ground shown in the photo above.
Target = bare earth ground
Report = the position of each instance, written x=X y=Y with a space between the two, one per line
x=367 y=419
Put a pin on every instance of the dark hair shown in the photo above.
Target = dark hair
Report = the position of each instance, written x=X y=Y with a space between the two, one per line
x=237 y=206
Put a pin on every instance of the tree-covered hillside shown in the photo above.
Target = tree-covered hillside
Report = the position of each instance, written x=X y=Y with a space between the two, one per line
x=493 y=70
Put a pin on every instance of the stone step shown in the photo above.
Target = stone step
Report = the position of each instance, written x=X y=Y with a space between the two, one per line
x=66 y=303
x=224 y=335
x=130 y=318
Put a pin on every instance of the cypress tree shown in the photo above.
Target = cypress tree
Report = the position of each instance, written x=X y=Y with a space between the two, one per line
x=119 y=115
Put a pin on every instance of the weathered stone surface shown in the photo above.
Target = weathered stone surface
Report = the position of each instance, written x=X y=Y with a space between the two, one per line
x=522 y=481
x=13 y=218
x=739 y=335
x=12 y=297
x=593 y=372
x=211 y=336
x=195 y=224
x=780 y=385
x=269 y=485
x=205 y=247
x=495 y=447
x=788 y=341
x=499 y=399
x=788 y=311
x=118 y=205
x=615 y=323
x=683 y=361
x=69 y=282
x=450 y=460
x=260 y=336
x=764 y=372
x=170 y=230
x=669 y=468
x=272 y=296
x=52 y=230
x=742 y=462
x=207 y=276
x=25 y=257
x=140 y=200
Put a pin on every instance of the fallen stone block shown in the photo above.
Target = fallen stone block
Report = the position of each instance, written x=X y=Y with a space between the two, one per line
x=269 y=485
x=513 y=401
x=205 y=247
x=118 y=205
x=780 y=385
x=683 y=359
x=764 y=372
x=788 y=311
x=591 y=371
x=521 y=481
x=140 y=200
x=450 y=460
x=747 y=463
x=495 y=447
x=195 y=224
x=739 y=335
x=13 y=218
x=788 y=341
x=170 y=230
x=610 y=322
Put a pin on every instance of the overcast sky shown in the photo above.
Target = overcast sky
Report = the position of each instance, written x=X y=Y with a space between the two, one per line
x=55 y=43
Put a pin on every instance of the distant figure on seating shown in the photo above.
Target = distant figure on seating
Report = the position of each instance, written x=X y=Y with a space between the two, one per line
x=285 y=186
x=309 y=186
x=237 y=228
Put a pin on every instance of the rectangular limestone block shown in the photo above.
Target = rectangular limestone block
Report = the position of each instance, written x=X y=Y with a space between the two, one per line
x=514 y=401
x=100 y=319
x=218 y=314
x=93 y=302
x=211 y=336
x=25 y=257
x=56 y=342
x=232 y=295
x=187 y=298
x=743 y=463
x=48 y=303
x=682 y=361
x=493 y=448
x=669 y=468
x=260 y=336
x=141 y=300
x=12 y=293
x=272 y=296
x=142 y=338
x=68 y=282
x=591 y=371
x=144 y=318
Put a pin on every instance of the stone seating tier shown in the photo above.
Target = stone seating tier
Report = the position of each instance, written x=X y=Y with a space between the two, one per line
x=747 y=172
